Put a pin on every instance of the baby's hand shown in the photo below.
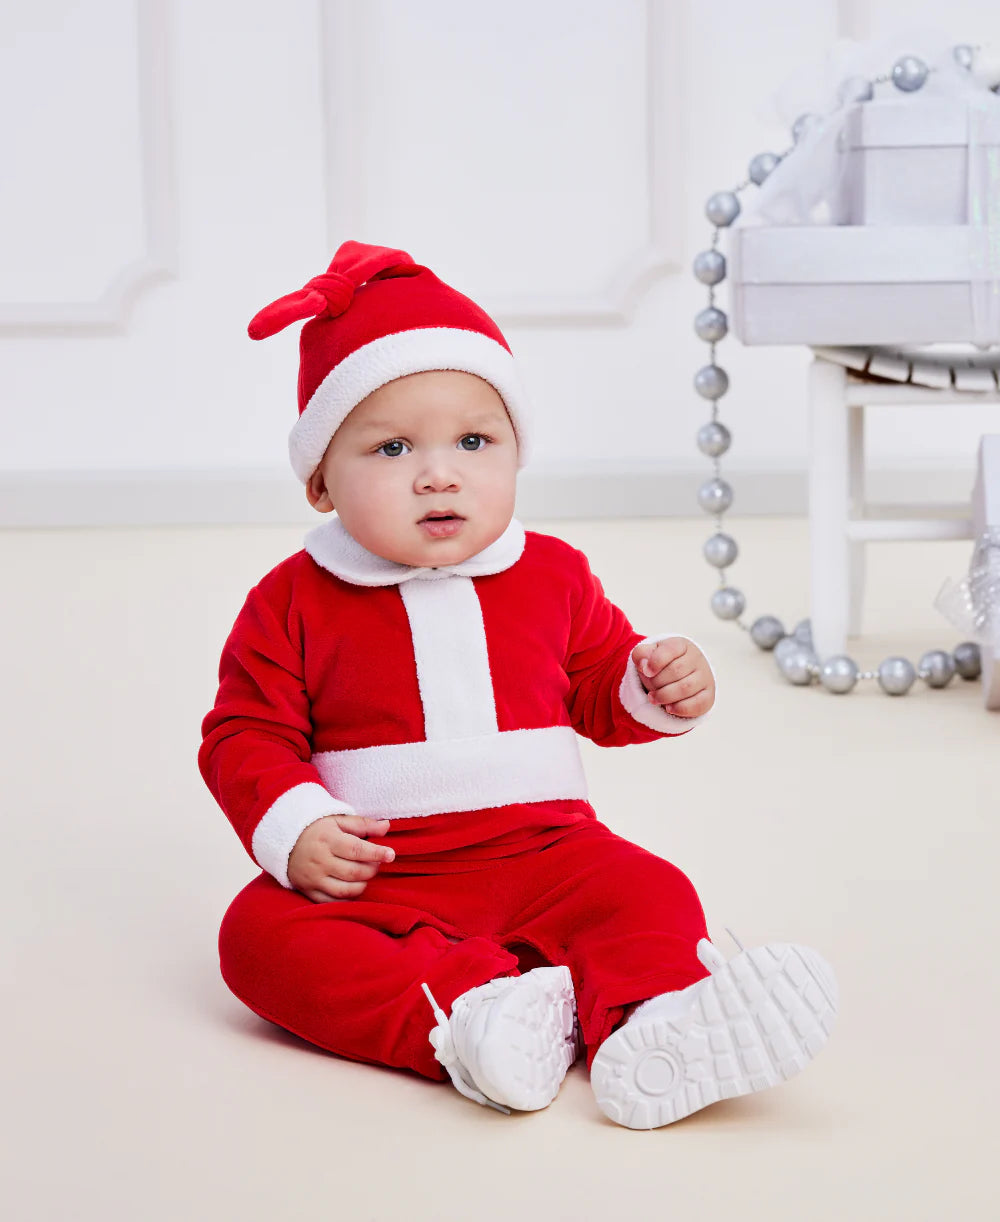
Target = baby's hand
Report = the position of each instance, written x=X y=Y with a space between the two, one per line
x=332 y=860
x=677 y=676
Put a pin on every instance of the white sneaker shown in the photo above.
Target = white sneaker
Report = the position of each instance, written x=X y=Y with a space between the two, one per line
x=509 y=1043
x=755 y=1021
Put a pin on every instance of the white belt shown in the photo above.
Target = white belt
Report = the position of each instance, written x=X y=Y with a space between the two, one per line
x=406 y=780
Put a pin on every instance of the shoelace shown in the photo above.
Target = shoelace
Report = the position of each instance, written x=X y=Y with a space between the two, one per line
x=444 y=1051
x=578 y=1041
x=710 y=955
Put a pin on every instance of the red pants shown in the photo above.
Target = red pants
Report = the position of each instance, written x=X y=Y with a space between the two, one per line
x=346 y=974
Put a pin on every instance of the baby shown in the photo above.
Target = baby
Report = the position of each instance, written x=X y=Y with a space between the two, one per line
x=395 y=742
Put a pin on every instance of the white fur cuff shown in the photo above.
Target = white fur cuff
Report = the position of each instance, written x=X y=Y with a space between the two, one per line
x=276 y=834
x=636 y=701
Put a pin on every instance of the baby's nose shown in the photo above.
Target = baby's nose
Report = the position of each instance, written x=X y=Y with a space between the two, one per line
x=438 y=477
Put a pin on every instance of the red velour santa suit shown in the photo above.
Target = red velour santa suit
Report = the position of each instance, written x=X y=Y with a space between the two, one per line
x=447 y=700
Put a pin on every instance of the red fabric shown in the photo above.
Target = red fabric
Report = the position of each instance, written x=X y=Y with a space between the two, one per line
x=297 y=677
x=346 y=975
x=366 y=293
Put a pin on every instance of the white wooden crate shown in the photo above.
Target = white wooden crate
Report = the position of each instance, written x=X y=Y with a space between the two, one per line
x=853 y=284
x=906 y=161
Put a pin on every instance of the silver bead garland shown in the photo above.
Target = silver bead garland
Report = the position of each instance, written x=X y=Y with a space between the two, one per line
x=793 y=652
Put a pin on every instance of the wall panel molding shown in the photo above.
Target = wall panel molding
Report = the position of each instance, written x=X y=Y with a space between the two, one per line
x=158 y=262
x=343 y=30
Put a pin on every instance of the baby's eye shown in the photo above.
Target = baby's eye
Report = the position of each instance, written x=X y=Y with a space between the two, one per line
x=473 y=436
x=386 y=444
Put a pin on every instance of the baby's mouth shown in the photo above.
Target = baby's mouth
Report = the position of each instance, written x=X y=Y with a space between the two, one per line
x=441 y=526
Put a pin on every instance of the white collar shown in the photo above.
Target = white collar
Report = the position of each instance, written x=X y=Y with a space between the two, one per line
x=340 y=553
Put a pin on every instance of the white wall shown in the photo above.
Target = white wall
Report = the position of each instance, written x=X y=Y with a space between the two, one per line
x=176 y=165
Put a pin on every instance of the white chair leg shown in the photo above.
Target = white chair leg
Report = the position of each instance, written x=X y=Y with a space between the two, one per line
x=857 y=566
x=828 y=508
x=856 y=498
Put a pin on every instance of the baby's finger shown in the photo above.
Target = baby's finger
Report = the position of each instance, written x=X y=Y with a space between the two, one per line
x=694 y=706
x=676 y=668
x=680 y=668
x=680 y=689
x=358 y=825
x=334 y=889
x=352 y=871
x=356 y=849
x=649 y=657
x=667 y=651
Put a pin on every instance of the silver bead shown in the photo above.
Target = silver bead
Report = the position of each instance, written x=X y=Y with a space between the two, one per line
x=722 y=208
x=838 y=674
x=895 y=676
x=936 y=668
x=909 y=73
x=720 y=550
x=711 y=382
x=714 y=439
x=785 y=645
x=766 y=631
x=761 y=167
x=715 y=496
x=711 y=325
x=855 y=89
x=801 y=125
x=728 y=603
x=803 y=632
x=709 y=266
x=798 y=664
x=964 y=56
x=968 y=660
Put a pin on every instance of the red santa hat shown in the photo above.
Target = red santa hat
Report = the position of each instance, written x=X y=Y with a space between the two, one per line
x=375 y=315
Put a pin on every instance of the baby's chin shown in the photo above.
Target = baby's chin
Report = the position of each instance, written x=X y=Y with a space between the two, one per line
x=440 y=552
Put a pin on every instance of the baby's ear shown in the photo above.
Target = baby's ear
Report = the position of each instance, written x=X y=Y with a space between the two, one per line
x=317 y=494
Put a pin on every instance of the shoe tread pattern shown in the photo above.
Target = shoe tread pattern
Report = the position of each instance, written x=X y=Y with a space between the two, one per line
x=756 y=1021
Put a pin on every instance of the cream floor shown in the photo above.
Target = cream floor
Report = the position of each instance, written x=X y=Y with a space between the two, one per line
x=137 y=1087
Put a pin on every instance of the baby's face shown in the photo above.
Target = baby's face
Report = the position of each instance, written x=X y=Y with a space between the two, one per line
x=435 y=441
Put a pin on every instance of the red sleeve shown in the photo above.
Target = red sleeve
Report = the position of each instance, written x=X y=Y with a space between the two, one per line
x=256 y=741
x=606 y=700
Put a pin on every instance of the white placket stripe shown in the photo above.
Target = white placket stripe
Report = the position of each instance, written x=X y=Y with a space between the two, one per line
x=449 y=644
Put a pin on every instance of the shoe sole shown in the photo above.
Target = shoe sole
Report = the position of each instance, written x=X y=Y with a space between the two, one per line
x=755 y=1022
x=529 y=1041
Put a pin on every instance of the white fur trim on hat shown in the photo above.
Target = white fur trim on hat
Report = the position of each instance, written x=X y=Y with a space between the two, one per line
x=395 y=356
